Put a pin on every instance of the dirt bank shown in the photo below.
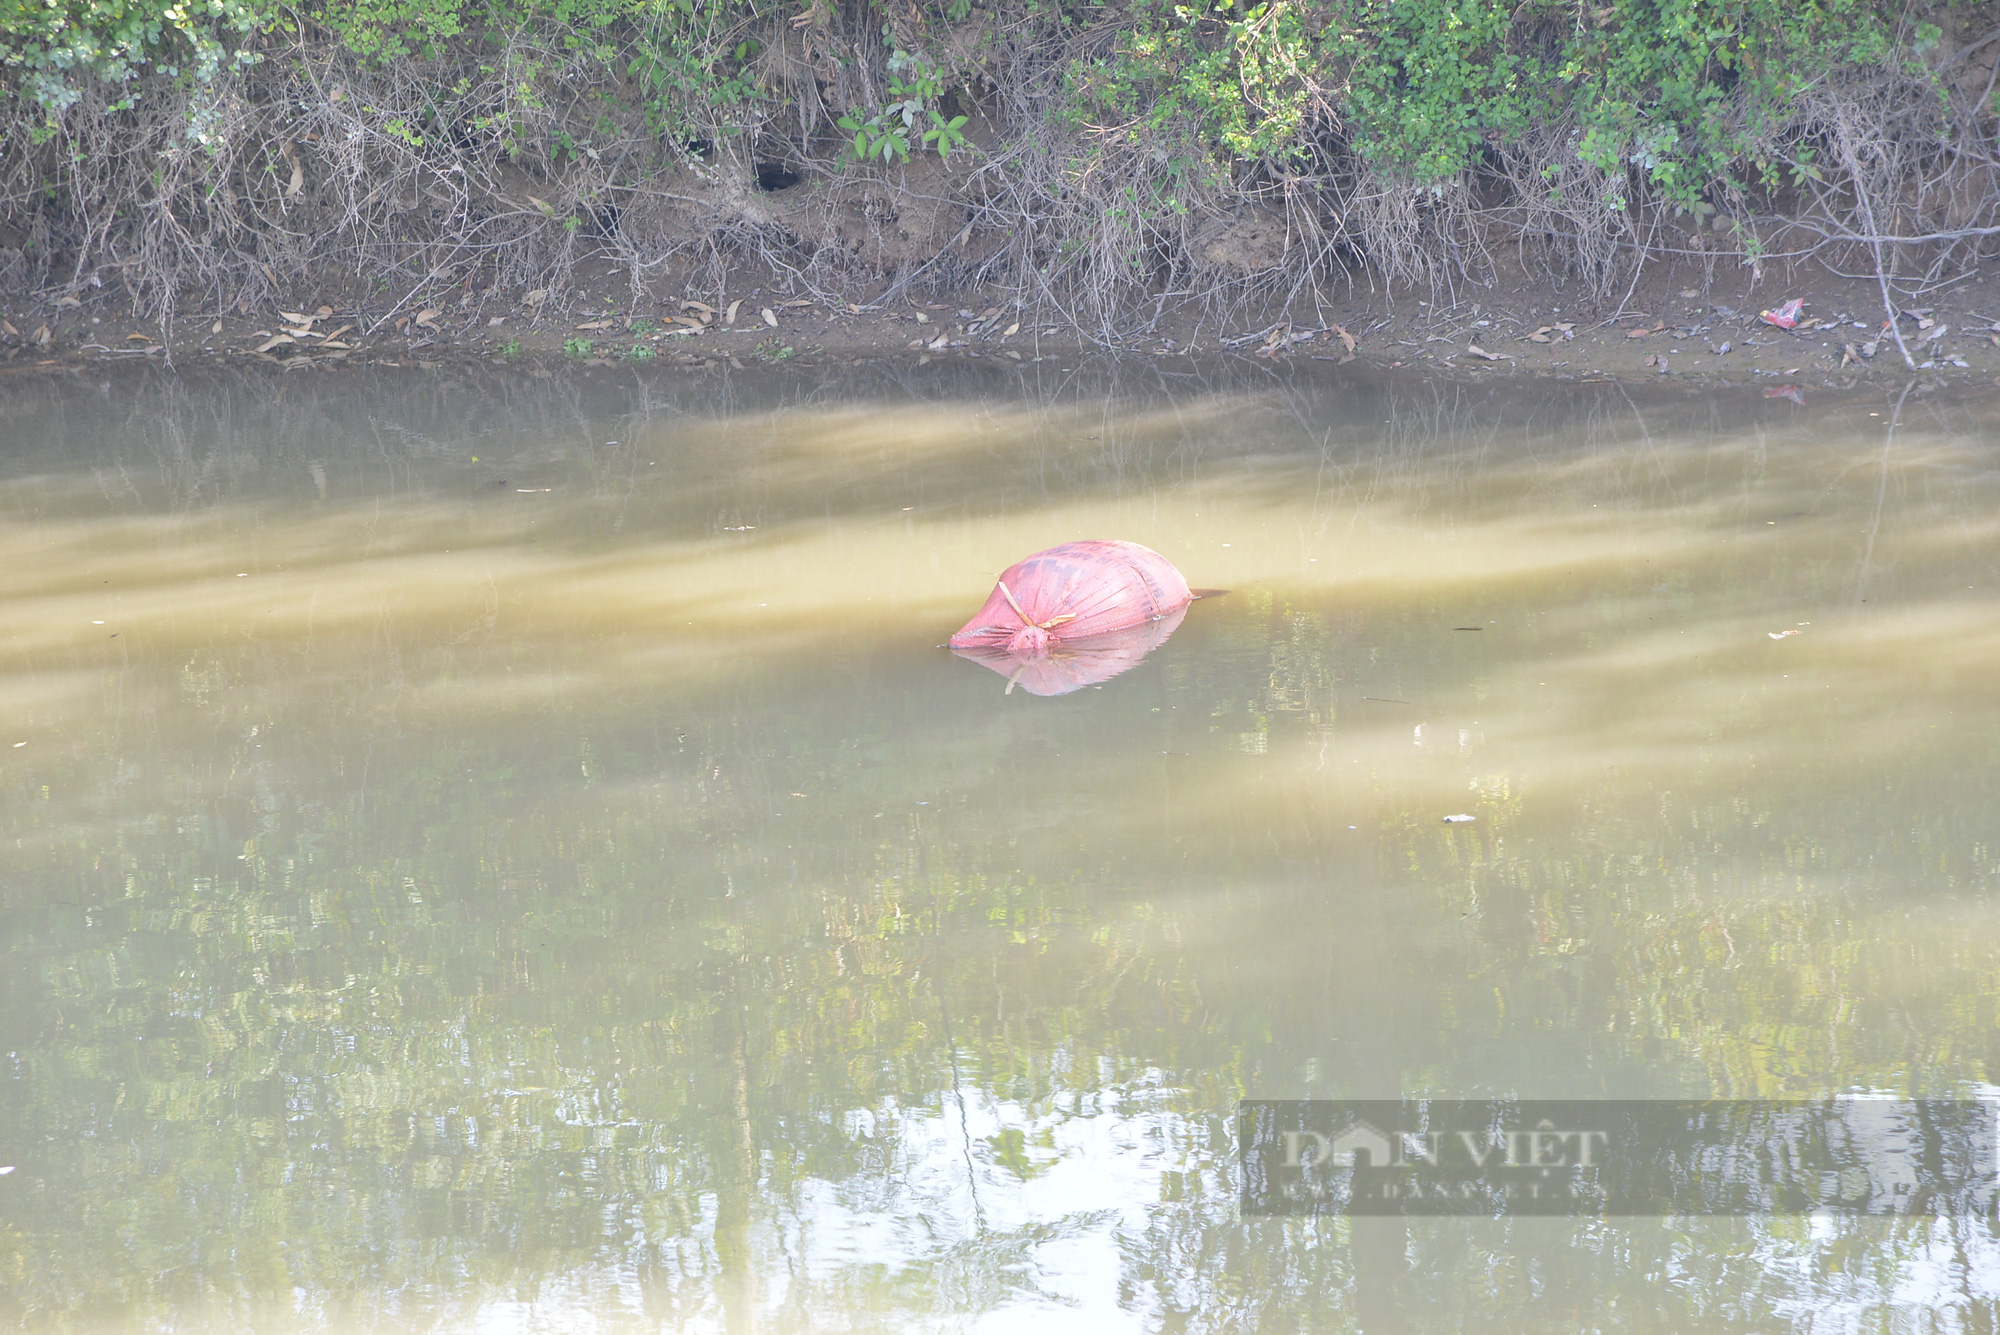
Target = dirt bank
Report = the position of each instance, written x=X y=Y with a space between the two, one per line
x=1671 y=325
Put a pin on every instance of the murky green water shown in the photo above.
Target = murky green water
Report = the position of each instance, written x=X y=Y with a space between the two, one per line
x=509 y=856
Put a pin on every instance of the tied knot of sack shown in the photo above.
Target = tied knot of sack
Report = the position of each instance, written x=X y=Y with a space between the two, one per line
x=1028 y=642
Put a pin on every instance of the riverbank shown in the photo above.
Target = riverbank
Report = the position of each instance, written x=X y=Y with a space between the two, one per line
x=571 y=177
x=1663 y=330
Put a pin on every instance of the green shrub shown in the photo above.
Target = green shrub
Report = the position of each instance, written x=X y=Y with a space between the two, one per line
x=54 y=43
x=1680 y=90
x=911 y=114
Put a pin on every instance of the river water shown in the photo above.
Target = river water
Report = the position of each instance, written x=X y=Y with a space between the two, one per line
x=495 y=853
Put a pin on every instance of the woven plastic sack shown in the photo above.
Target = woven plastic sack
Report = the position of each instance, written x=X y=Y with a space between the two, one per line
x=1078 y=591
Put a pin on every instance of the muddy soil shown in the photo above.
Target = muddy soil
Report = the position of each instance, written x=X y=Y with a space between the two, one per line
x=1674 y=325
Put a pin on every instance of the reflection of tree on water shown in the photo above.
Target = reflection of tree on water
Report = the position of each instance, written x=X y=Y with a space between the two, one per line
x=736 y=1183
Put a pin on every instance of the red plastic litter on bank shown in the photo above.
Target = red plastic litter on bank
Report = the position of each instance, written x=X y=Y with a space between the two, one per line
x=1071 y=596
x=1786 y=315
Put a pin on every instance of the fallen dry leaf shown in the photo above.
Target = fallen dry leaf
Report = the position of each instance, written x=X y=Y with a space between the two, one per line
x=729 y=317
x=427 y=316
x=1637 y=333
x=215 y=328
x=1483 y=354
x=701 y=306
x=689 y=321
x=7 y=328
x=338 y=332
x=922 y=318
x=587 y=324
x=67 y=301
x=770 y=317
x=42 y=336
x=1538 y=337
x=274 y=341
x=138 y=338
x=1015 y=328
x=295 y=318
x=1848 y=353
x=536 y=298
x=1347 y=340
x=938 y=343
x=324 y=312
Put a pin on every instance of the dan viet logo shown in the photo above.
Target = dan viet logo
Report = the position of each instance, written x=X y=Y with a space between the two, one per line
x=1365 y=1145
x=1606 y=1157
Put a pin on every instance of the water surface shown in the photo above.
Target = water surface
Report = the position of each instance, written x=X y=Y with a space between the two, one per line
x=506 y=854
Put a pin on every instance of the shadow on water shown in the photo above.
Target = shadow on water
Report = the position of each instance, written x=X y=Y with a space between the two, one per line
x=445 y=904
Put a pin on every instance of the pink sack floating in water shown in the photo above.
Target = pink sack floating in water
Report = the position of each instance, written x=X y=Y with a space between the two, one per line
x=1074 y=592
x=1075 y=615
